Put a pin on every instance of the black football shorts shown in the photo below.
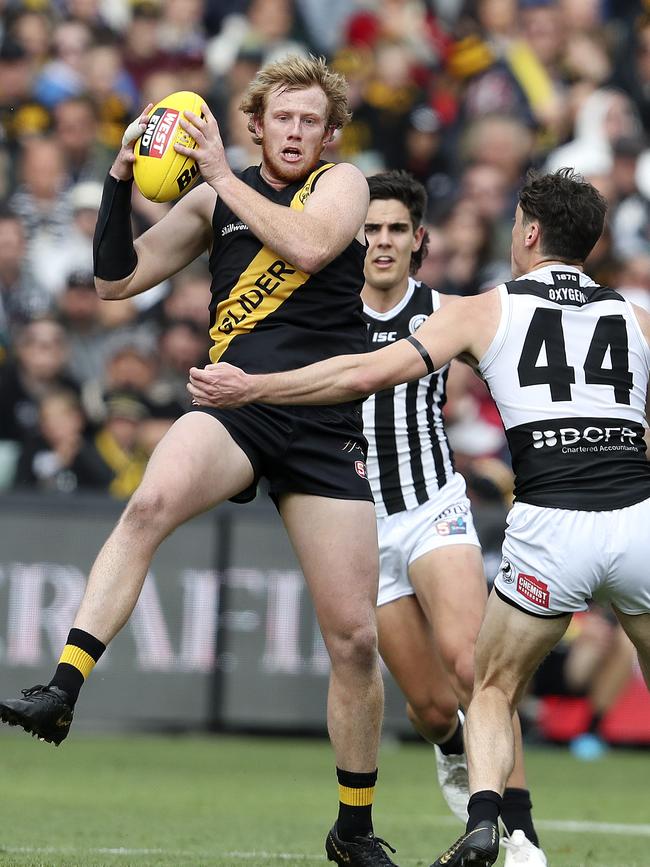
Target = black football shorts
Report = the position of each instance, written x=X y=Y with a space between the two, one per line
x=300 y=449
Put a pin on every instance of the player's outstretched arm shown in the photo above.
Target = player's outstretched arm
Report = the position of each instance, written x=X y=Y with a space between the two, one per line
x=336 y=380
x=309 y=239
x=462 y=326
x=124 y=267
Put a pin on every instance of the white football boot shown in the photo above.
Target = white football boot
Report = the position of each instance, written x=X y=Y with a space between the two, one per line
x=520 y=852
x=454 y=780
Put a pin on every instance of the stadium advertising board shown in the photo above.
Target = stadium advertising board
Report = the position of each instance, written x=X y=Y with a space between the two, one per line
x=224 y=634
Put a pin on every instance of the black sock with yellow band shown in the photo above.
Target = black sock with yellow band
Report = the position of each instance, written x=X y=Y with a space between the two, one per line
x=81 y=652
x=356 y=792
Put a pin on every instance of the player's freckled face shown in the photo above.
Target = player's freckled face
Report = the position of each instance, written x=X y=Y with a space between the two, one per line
x=391 y=241
x=293 y=133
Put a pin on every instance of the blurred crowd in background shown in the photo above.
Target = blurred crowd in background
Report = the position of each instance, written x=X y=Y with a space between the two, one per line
x=464 y=95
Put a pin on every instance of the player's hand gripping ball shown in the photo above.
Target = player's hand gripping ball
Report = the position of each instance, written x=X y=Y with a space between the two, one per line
x=160 y=173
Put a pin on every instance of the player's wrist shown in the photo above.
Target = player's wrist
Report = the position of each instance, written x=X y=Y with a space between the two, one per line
x=223 y=181
x=121 y=170
x=256 y=387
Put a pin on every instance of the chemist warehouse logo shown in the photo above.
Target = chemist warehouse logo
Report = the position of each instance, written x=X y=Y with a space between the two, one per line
x=588 y=439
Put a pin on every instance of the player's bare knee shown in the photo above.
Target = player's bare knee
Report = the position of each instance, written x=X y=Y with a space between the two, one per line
x=354 y=647
x=435 y=719
x=146 y=514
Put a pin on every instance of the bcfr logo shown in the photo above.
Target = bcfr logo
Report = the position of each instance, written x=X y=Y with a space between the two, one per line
x=591 y=435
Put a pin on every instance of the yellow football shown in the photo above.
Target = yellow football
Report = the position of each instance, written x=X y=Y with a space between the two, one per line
x=161 y=173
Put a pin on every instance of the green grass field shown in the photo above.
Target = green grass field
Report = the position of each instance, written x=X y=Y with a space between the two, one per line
x=246 y=802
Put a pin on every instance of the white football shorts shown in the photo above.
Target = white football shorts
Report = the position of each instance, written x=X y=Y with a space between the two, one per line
x=406 y=536
x=556 y=560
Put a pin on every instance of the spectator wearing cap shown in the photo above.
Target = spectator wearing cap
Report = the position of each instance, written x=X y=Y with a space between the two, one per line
x=58 y=456
x=132 y=364
x=118 y=441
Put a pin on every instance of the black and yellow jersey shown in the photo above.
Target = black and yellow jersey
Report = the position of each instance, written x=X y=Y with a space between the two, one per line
x=265 y=313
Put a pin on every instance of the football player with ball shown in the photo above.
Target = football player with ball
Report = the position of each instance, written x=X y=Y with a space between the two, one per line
x=286 y=251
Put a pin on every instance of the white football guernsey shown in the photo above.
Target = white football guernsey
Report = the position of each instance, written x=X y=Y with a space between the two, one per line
x=568 y=369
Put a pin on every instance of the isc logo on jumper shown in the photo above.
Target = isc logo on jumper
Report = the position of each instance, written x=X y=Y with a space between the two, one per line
x=384 y=337
x=155 y=139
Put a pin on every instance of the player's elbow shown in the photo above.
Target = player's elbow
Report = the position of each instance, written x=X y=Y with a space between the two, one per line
x=107 y=290
x=363 y=379
x=113 y=290
x=313 y=258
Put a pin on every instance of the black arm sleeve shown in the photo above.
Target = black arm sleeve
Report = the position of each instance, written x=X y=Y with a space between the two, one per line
x=113 y=253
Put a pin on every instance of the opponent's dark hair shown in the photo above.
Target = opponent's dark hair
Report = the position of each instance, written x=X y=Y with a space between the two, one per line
x=570 y=212
x=402 y=186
